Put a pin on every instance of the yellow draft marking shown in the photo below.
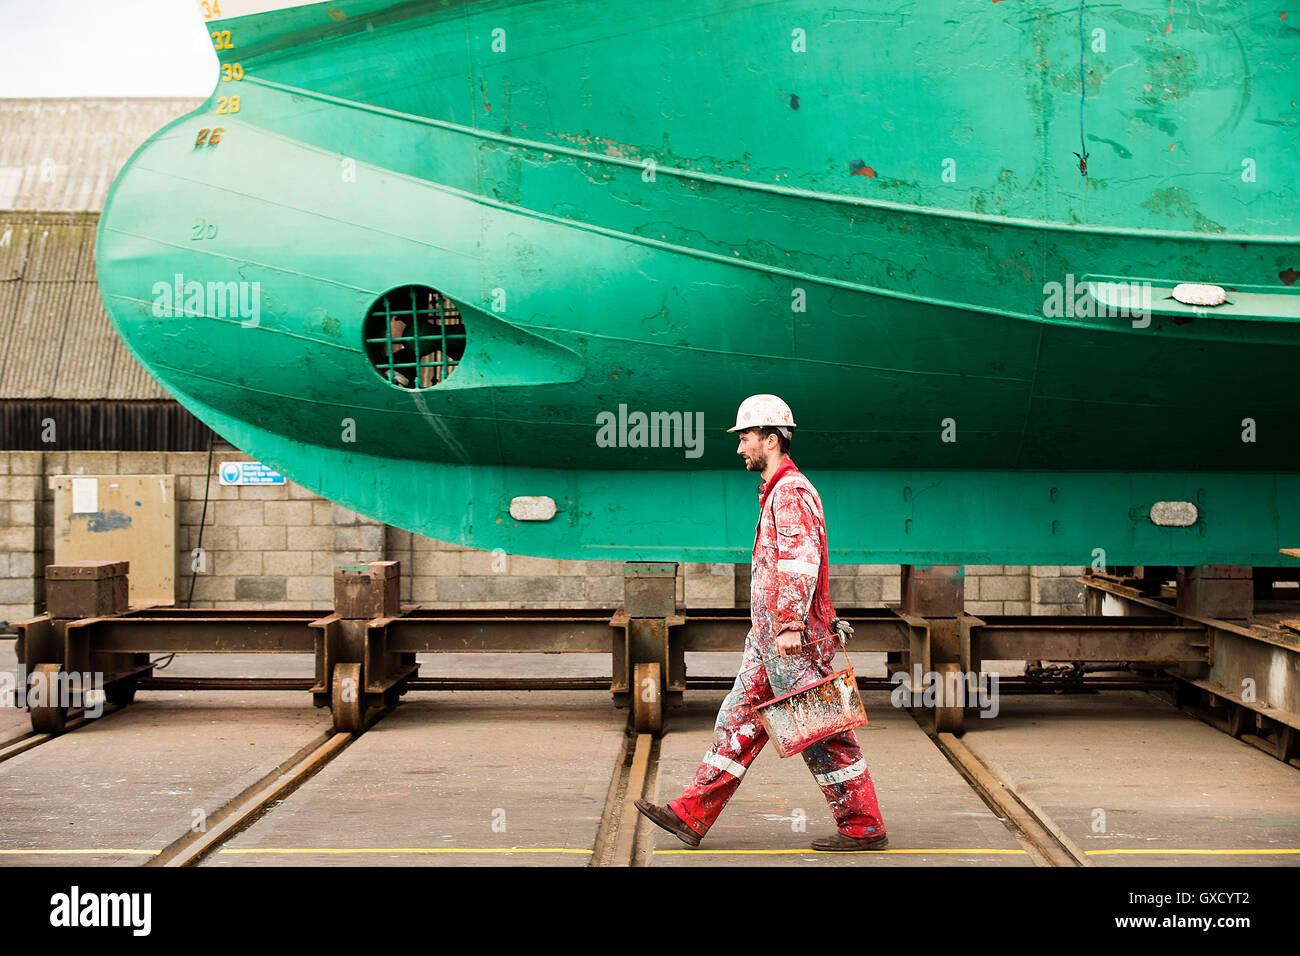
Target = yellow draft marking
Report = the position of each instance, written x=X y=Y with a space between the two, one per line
x=74 y=852
x=1198 y=852
x=834 y=852
x=411 y=849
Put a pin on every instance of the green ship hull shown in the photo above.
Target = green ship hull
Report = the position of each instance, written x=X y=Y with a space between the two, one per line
x=881 y=215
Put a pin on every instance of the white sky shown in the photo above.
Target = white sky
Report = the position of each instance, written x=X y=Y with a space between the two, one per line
x=104 y=48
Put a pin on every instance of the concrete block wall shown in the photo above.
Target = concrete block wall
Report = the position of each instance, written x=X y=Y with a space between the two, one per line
x=20 y=537
x=990 y=588
x=442 y=575
x=1055 y=590
x=277 y=547
x=997 y=589
x=1020 y=589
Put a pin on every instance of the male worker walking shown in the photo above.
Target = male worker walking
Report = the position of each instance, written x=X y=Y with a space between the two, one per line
x=790 y=605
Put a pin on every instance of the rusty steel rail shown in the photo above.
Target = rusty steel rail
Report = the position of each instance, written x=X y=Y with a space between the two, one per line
x=495 y=632
x=212 y=634
x=238 y=814
x=1006 y=685
x=244 y=809
x=224 y=683
x=1044 y=841
x=1083 y=638
x=155 y=612
x=29 y=741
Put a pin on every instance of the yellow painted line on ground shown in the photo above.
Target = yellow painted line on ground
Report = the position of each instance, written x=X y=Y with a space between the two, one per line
x=75 y=852
x=833 y=852
x=408 y=849
x=1151 y=852
x=343 y=851
x=984 y=852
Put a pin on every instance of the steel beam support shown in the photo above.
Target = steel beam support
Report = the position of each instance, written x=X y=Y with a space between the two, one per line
x=1084 y=639
x=215 y=635
x=934 y=600
x=647 y=641
x=353 y=644
x=79 y=595
x=500 y=634
x=1256 y=674
x=1252 y=671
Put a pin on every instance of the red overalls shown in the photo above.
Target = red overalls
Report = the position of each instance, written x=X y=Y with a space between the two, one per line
x=790 y=591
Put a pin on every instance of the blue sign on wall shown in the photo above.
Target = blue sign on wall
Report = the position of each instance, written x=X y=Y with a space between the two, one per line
x=248 y=473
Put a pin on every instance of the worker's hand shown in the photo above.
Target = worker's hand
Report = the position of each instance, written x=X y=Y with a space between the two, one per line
x=788 y=642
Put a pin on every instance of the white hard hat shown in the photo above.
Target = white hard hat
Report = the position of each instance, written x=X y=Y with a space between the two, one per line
x=759 y=410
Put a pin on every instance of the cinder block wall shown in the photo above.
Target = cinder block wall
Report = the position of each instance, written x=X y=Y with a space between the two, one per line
x=1021 y=589
x=990 y=588
x=277 y=546
x=20 y=538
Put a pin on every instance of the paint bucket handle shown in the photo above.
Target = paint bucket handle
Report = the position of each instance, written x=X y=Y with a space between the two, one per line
x=838 y=629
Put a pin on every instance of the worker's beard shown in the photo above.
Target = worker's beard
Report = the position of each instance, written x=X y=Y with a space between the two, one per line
x=757 y=462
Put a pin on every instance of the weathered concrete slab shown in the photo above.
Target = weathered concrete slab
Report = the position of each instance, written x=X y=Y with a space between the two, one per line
x=932 y=816
x=126 y=787
x=453 y=779
x=13 y=722
x=1136 y=782
x=116 y=791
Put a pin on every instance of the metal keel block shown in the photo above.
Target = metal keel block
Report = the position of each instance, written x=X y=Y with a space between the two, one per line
x=933 y=602
x=353 y=644
x=644 y=634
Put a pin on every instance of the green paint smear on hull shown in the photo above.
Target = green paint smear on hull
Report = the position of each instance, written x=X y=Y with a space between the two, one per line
x=878 y=214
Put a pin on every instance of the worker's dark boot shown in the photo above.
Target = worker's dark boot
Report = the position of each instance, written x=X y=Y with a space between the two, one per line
x=664 y=817
x=839 y=843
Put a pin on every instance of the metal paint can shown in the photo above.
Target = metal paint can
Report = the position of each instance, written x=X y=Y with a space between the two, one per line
x=802 y=717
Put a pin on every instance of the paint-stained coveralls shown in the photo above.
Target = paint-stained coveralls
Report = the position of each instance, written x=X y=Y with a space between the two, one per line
x=790 y=590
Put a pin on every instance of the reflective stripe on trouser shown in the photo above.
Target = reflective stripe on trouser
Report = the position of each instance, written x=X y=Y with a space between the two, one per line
x=837 y=763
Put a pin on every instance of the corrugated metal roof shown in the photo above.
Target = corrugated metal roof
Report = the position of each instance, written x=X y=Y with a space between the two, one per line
x=63 y=154
x=10 y=294
x=15 y=239
x=55 y=247
x=87 y=353
x=55 y=338
x=35 y=343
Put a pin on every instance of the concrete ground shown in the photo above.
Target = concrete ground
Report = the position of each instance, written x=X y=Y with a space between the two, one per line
x=118 y=790
x=13 y=722
x=459 y=779
x=520 y=778
x=932 y=815
x=1136 y=782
